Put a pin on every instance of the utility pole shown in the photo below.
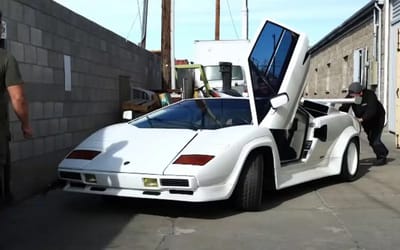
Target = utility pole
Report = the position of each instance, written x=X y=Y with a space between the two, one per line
x=217 y=17
x=144 y=24
x=166 y=44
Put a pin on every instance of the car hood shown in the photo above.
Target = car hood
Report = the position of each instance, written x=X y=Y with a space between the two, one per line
x=126 y=148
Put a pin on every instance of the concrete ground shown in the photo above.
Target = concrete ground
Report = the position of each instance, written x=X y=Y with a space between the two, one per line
x=324 y=214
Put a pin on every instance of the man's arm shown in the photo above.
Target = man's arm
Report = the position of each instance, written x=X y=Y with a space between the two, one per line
x=372 y=109
x=345 y=106
x=20 y=107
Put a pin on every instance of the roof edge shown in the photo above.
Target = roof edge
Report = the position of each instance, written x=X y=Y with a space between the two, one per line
x=357 y=18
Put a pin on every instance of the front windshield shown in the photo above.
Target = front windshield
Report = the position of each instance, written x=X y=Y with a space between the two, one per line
x=213 y=73
x=268 y=63
x=198 y=114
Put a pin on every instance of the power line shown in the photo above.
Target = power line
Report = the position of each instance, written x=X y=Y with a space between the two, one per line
x=230 y=14
x=134 y=21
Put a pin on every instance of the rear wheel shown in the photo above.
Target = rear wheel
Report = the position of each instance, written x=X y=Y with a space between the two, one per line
x=350 y=161
x=248 y=193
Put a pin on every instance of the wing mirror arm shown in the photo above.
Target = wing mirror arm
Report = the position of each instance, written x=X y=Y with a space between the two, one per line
x=279 y=100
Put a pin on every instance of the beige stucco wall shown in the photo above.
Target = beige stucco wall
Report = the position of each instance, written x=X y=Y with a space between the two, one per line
x=331 y=68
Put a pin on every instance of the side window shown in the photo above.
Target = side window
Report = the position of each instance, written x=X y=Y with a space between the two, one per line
x=269 y=60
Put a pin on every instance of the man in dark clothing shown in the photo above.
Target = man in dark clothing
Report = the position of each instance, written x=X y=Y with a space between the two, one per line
x=371 y=114
x=11 y=84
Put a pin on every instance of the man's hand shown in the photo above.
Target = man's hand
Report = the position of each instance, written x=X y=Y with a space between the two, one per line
x=27 y=131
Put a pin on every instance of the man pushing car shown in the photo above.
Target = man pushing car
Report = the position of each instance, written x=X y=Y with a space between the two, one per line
x=371 y=114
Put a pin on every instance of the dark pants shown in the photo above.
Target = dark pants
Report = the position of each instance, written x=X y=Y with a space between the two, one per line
x=4 y=169
x=374 y=138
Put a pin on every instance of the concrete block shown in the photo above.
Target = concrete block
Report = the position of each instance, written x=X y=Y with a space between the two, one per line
x=75 y=124
x=59 y=142
x=4 y=6
x=36 y=74
x=68 y=140
x=63 y=125
x=49 y=144
x=36 y=110
x=16 y=11
x=17 y=49
x=58 y=109
x=56 y=59
x=15 y=153
x=48 y=76
x=29 y=16
x=103 y=45
x=26 y=147
x=48 y=108
x=54 y=126
x=42 y=57
x=23 y=34
x=47 y=40
x=36 y=37
x=38 y=146
x=58 y=77
x=15 y=130
x=43 y=128
x=30 y=54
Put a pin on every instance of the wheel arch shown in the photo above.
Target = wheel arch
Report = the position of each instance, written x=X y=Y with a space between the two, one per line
x=348 y=134
x=270 y=158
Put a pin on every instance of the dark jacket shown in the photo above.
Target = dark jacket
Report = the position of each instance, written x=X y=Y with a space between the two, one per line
x=370 y=110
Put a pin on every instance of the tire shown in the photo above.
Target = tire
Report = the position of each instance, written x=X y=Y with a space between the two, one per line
x=249 y=189
x=350 y=162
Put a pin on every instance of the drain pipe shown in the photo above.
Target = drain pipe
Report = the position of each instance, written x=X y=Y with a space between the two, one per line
x=386 y=56
x=378 y=40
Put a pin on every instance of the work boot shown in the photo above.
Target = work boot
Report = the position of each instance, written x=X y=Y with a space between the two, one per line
x=380 y=161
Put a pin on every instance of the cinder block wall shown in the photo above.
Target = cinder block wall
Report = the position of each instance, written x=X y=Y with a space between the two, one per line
x=39 y=34
x=331 y=68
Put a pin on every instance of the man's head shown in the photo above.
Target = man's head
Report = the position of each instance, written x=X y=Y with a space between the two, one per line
x=355 y=89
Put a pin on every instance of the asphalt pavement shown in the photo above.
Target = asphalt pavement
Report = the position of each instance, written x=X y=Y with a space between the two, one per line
x=324 y=214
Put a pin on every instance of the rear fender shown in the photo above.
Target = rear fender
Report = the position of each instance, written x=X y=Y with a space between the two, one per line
x=340 y=147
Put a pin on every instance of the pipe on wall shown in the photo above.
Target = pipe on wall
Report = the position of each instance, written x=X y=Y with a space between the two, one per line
x=378 y=47
x=386 y=55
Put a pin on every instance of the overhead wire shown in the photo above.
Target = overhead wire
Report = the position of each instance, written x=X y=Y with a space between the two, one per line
x=134 y=21
x=233 y=23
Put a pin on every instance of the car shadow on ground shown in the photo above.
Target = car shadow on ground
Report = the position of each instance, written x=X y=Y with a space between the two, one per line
x=273 y=199
x=220 y=209
x=205 y=210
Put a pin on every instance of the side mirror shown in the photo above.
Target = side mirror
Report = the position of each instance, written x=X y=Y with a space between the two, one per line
x=127 y=115
x=279 y=100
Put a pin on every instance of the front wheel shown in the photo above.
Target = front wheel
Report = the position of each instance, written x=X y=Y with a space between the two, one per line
x=249 y=189
x=350 y=162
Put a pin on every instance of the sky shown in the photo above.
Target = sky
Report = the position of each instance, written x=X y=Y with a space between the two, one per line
x=195 y=20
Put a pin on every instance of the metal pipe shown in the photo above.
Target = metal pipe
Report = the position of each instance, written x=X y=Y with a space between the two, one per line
x=379 y=49
x=386 y=56
x=172 y=37
x=144 y=24
x=245 y=20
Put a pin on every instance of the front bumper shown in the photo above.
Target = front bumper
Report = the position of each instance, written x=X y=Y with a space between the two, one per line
x=179 y=188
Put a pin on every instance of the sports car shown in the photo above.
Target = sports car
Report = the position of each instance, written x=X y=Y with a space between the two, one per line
x=208 y=149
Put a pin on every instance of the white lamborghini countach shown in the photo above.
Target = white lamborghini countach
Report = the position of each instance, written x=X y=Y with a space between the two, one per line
x=209 y=149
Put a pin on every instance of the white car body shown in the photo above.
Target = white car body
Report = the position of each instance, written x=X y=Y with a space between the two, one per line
x=210 y=149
